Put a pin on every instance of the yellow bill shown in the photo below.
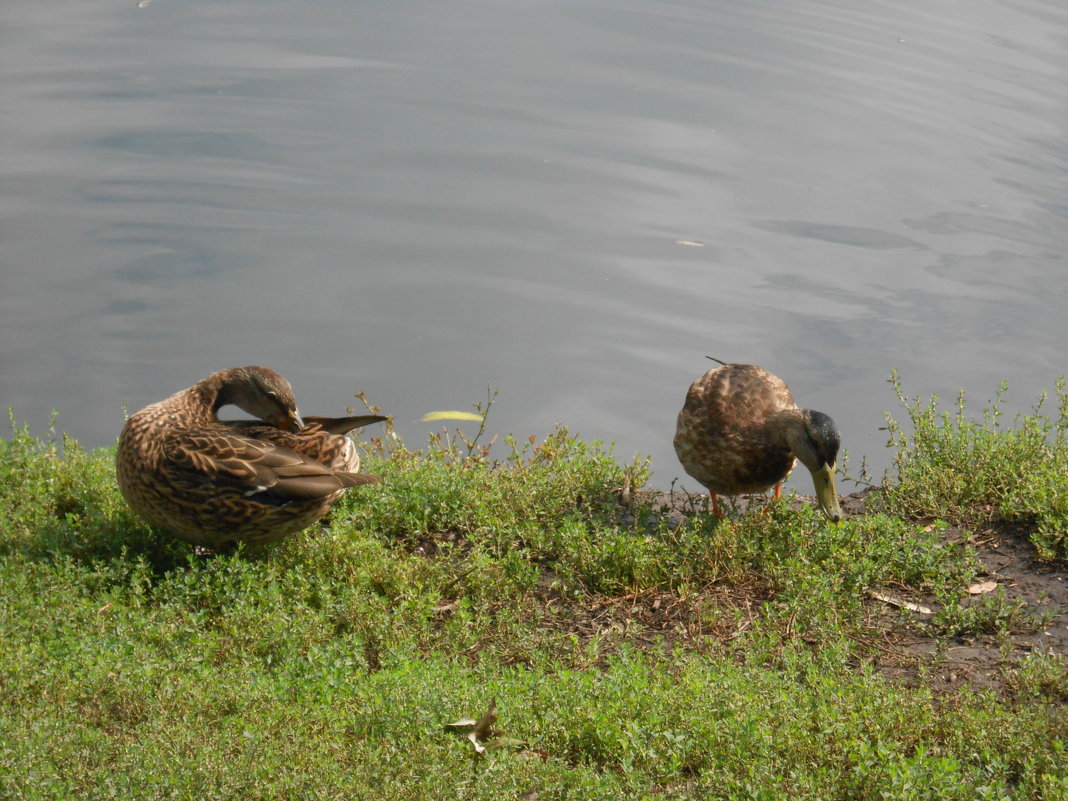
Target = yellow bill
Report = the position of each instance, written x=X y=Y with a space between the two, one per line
x=826 y=494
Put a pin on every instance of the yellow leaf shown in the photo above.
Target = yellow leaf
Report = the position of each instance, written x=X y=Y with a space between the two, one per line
x=431 y=416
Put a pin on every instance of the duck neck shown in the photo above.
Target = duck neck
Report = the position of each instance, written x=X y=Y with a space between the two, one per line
x=212 y=394
x=781 y=424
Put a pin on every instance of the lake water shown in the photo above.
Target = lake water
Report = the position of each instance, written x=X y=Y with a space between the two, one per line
x=573 y=202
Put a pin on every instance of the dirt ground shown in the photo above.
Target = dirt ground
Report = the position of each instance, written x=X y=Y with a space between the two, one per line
x=1009 y=560
x=904 y=647
x=907 y=651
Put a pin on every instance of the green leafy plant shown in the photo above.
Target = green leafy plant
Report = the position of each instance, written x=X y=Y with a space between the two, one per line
x=955 y=467
x=996 y=613
x=634 y=654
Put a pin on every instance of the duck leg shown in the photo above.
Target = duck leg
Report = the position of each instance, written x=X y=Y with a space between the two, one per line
x=778 y=490
x=716 y=511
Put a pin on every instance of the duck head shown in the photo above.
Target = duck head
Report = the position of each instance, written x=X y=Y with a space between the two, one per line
x=815 y=442
x=262 y=393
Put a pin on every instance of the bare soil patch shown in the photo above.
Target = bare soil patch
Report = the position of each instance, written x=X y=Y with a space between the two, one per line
x=902 y=643
x=908 y=650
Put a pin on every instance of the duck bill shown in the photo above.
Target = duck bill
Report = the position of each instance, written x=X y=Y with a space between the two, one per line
x=826 y=494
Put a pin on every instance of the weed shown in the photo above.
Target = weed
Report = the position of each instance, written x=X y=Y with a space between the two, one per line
x=1040 y=675
x=996 y=613
x=957 y=468
x=630 y=656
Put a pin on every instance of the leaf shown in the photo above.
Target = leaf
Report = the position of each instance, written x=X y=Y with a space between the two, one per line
x=485 y=723
x=983 y=587
x=430 y=417
x=479 y=747
x=481 y=729
x=462 y=723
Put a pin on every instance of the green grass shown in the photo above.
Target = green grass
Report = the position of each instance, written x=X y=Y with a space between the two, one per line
x=955 y=467
x=630 y=656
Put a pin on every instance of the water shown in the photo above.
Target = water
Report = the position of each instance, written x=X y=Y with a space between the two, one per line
x=420 y=199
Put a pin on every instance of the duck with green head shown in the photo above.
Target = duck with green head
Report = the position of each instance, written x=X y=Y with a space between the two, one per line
x=740 y=432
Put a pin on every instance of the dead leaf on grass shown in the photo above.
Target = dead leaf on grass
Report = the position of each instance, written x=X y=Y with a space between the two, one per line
x=480 y=731
x=479 y=747
x=983 y=587
x=485 y=723
x=462 y=723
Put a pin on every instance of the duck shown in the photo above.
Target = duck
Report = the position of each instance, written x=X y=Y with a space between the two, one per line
x=740 y=432
x=218 y=483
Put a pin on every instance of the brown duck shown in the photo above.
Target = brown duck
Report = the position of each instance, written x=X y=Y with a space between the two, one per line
x=741 y=432
x=217 y=483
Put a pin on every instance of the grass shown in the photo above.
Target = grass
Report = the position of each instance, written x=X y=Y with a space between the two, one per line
x=955 y=467
x=632 y=654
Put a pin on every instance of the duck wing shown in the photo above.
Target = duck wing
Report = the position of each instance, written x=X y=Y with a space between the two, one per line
x=321 y=440
x=259 y=469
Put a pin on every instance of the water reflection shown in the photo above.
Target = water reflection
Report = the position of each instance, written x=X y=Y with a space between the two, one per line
x=418 y=201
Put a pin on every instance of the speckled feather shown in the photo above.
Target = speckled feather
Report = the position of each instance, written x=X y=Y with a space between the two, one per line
x=214 y=483
x=722 y=438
